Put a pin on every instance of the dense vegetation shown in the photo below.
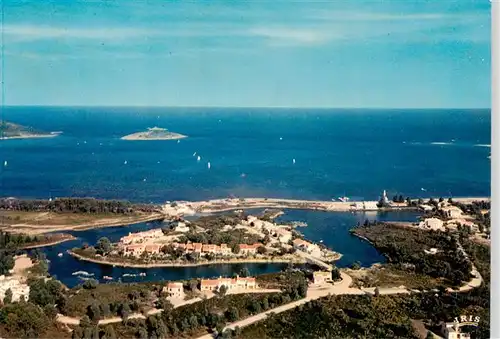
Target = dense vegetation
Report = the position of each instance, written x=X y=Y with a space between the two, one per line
x=75 y=205
x=404 y=248
x=382 y=316
x=207 y=315
x=9 y=129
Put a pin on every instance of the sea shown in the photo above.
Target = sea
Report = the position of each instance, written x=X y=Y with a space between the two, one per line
x=318 y=154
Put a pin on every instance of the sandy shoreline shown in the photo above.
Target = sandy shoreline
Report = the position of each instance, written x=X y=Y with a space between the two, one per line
x=221 y=262
x=41 y=229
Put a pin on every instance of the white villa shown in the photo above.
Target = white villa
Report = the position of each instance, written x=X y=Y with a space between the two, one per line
x=231 y=284
x=175 y=290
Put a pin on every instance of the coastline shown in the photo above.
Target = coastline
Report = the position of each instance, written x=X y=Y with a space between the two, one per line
x=223 y=205
x=222 y=262
x=41 y=229
x=140 y=137
x=68 y=237
x=30 y=136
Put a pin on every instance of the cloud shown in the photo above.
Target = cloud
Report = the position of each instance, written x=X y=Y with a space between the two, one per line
x=292 y=35
x=35 y=32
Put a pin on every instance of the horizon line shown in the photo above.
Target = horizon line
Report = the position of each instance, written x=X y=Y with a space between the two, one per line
x=250 y=107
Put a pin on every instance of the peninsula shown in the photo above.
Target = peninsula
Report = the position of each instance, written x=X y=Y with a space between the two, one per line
x=155 y=133
x=9 y=130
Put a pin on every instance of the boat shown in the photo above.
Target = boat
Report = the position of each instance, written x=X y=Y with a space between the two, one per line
x=208 y=165
x=60 y=255
x=344 y=199
x=83 y=273
x=5 y=163
x=107 y=277
x=129 y=275
x=199 y=158
x=293 y=161
x=125 y=162
x=142 y=274
x=194 y=154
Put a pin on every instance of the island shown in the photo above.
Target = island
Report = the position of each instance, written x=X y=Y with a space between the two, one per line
x=155 y=133
x=207 y=241
x=9 y=130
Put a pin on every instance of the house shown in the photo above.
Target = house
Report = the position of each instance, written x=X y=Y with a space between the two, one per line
x=175 y=290
x=182 y=227
x=284 y=235
x=134 y=249
x=225 y=250
x=197 y=247
x=453 y=211
x=230 y=283
x=452 y=331
x=152 y=248
x=249 y=249
x=321 y=277
x=209 y=248
x=130 y=239
x=432 y=224
x=209 y=284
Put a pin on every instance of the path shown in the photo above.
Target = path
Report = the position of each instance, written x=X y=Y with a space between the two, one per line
x=314 y=260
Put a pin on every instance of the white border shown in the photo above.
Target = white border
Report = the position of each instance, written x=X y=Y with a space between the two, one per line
x=495 y=170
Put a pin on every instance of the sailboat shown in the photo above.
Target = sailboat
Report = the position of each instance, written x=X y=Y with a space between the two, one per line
x=208 y=165
x=199 y=158
x=293 y=161
x=5 y=163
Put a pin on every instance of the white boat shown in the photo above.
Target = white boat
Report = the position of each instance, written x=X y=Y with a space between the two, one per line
x=293 y=161
x=199 y=158
x=344 y=199
x=83 y=273
x=107 y=278
x=60 y=255
x=142 y=274
x=208 y=165
x=194 y=154
x=125 y=162
x=5 y=163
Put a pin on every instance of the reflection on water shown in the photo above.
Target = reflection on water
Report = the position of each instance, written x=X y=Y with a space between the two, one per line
x=331 y=227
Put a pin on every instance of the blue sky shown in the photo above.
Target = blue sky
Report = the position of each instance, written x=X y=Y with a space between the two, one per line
x=380 y=54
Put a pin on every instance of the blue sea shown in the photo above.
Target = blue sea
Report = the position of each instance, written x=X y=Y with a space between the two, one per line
x=356 y=153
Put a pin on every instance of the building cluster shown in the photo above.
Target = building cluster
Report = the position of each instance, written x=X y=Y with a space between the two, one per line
x=307 y=247
x=283 y=234
x=230 y=283
x=141 y=237
x=223 y=249
x=176 y=289
x=18 y=288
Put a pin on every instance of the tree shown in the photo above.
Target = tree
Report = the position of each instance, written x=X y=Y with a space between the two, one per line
x=336 y=274
x=377 y=291
x=356 y=265
x=90 y=284
x=85 y=322
x=261 y=250
x=222 y=291
x=236 y=249
x=109 y=332
x=103 y=245
x=244 y=272
x=8 y=297
x=94 y=312
x=232 y=314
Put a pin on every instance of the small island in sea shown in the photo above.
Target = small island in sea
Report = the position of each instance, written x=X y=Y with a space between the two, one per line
x=155 y=133
x=9 y=130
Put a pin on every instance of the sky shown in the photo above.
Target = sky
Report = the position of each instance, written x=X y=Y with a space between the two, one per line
x=363 y=54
